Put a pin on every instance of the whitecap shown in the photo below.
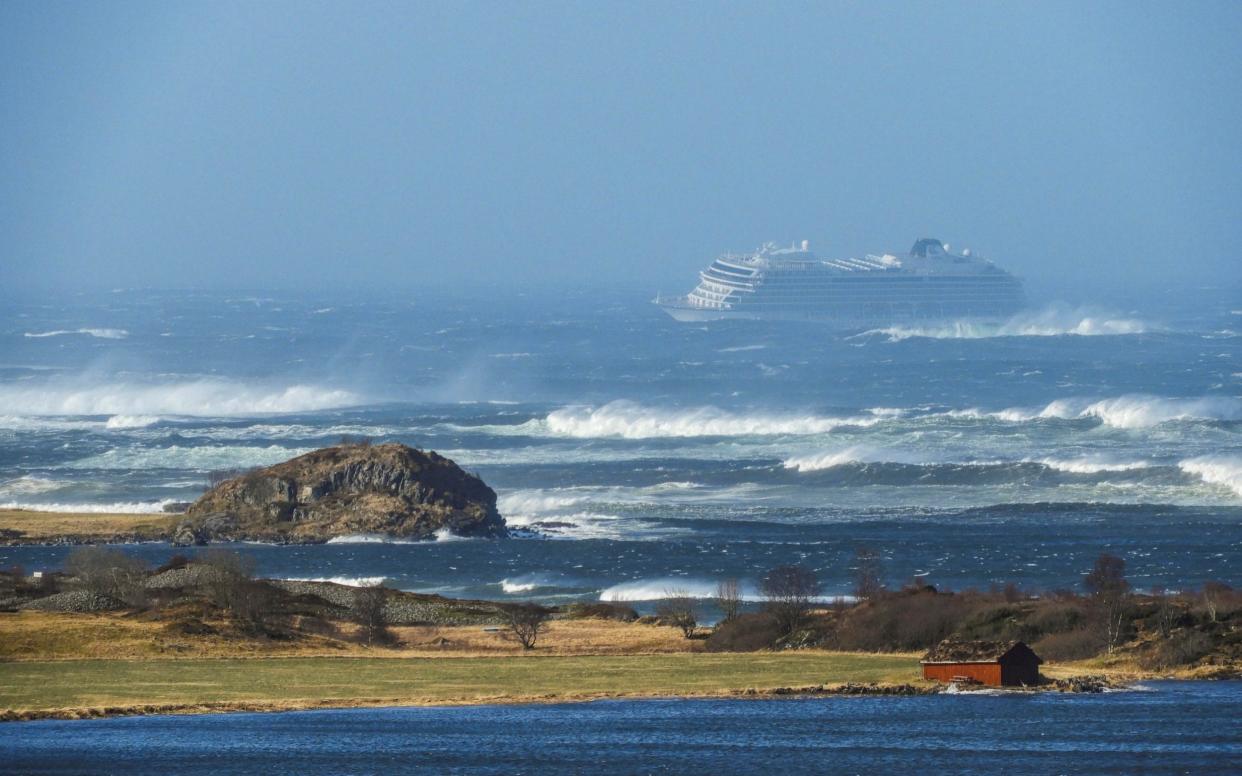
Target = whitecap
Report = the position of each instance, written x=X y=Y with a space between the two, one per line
x=1054 y=321
x=208 y=397
x=131 y=421
x=97 y=333
x=112 y=508
x=629 y=420
x=1223 y=470
x=347 y=581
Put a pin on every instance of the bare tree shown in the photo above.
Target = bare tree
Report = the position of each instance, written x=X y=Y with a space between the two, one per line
x=1213 y=592
x=729 y=598
x=525 y=622
x=1106 y=582
x=678 y=608
x=108 y=572
x=369 y=612
x=225 y=576
x=868 y=573
x=1165 y=613
x=788 y=593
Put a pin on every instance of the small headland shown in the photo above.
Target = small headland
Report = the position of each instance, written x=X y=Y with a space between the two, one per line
x=389 y=490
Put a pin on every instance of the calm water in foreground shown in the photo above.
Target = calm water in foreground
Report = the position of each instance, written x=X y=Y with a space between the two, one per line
x=1170 y=727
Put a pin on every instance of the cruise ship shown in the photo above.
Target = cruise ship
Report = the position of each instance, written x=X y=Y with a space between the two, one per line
x=929 y=283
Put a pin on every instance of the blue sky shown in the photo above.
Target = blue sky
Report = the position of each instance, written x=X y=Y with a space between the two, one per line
x=404 y=146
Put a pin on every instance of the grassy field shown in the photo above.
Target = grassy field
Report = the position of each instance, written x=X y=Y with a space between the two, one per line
x=43 y=636
x=29 y=525
x=347 y=681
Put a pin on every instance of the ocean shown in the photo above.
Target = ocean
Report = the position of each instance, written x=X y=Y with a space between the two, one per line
x=1164 y=727
x=639 y=454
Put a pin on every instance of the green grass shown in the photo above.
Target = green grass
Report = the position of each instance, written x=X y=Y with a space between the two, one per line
x=28 y=686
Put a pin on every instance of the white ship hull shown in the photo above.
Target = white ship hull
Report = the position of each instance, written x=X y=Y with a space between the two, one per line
x=928 y=285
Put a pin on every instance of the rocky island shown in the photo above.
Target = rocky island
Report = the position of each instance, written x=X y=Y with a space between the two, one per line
x=388 y=490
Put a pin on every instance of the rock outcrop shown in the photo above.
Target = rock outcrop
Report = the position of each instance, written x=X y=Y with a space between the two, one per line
x=389 y=490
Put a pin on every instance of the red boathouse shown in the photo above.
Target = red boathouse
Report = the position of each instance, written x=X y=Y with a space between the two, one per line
x=996 y=663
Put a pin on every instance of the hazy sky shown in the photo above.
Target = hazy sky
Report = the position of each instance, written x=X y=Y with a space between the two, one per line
x=402 y=145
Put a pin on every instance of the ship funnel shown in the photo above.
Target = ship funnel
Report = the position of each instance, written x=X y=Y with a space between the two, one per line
x=806 y=245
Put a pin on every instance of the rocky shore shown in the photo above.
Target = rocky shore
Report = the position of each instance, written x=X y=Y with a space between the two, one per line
x=388 y=490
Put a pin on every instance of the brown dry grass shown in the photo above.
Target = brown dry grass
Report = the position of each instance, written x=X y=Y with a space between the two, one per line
x=31 y=525
x=31 y=635
x=87 y=687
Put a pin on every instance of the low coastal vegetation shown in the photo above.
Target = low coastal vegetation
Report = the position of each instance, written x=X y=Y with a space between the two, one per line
x=75 y=639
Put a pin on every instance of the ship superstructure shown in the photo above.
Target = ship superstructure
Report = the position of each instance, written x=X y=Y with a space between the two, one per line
x=928 y=283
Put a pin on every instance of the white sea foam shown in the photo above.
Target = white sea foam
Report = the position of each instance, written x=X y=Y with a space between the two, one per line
x=116 y=507
x=1223 y=470
x=1092 y=465
x=1140 y=411
x=131 y=421
x=517 y=587
x=205 y=458
x=1052 y=322
x=657 y=588
x=630 y=420
x=204 y=397
x=834 y=458
x=98 y=333
x=535 y=502
x=446 y=534
x=364 y=538
x=661 y=587
x=29 y=485
x=348 y=581
x=741 y=348
x=1128 y=411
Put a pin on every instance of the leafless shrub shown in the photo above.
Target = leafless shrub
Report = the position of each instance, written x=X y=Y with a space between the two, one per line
x=902 y=621
x=225 y=576
x=679 y=609
x=1177 y=650
x=745 y=633
x=788 y=592
x=600 y=610
x=108 y=572
x=1012 y=593
x=868 y=573
x=1165 y=611
x=1106 y=582
x=349 y=440
x=1078 y=644
x=1213 y=595
x=525 y=622
x=728 y=599
x=370 y=613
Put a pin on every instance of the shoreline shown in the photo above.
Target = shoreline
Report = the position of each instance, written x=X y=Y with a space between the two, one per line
x=837 y=690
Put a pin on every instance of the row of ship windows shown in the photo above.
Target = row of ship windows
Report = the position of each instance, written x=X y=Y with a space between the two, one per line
x=854 y=296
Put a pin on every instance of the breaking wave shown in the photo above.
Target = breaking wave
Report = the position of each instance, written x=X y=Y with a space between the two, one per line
x=659 y=588
x=1052 y=322
x=629 y=420
x=117 y=422
x=113 y=508
x=1128 y=411
x=1216 y=470
x=1092 y=465
x=206 y=397
x=29 y=485
x=347 y=581
x=98 y=333
x=207 y=458
x=850 y=455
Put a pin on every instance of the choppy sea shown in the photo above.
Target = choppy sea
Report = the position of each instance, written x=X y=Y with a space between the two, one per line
x=641 y=453
x=1164 y=727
